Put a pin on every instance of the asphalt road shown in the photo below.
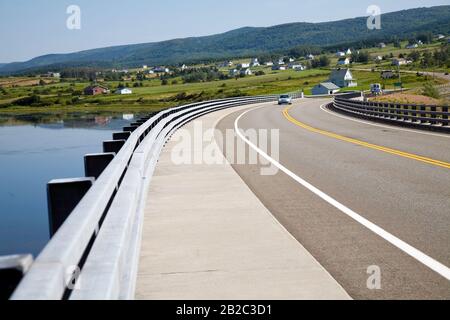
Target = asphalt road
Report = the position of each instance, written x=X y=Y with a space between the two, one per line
x=404 y=190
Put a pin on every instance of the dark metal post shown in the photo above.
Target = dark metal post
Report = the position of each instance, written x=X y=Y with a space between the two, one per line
x=12 y=270
x=445 y=116
x=121 y=135
x=113 y=146
x=433 y=115
x=96 y=163
x=63 y=195
x=130 y=128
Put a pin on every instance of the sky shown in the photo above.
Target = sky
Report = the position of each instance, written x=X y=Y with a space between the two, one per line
x=30 y=28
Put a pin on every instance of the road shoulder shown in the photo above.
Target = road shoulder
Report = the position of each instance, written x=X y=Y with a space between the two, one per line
x=207 y=236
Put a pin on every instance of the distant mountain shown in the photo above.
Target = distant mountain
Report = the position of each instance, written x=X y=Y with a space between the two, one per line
x=246 y=42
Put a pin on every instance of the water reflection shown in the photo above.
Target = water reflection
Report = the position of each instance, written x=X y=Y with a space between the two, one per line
x=33 y=150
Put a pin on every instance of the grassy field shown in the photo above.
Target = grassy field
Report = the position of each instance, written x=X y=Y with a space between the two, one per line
x=62 y=97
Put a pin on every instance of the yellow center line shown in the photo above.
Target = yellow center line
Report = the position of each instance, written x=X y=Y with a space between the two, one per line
x=365 y=144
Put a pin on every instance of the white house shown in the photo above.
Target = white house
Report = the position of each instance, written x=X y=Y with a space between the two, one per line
x=244 y=65
x=342 y=78
x=184 y=67
x=278 y=67
x=400 y=62
x=296 y=66
x=281 y=61
x=255 y=62
x=123 y=91
x=291 y=59
x=246 y=72
x=340 y=54
x=269 y=63
x=53 y=75
x=325 y=88
x=144 y=67
x=343 y=61
x=440 y=36
x=310 y=57
x=378 y=59
x=348 y=52
x=382 y=45
x=233 y=72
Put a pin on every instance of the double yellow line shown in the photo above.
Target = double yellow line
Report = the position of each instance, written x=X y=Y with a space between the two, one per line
x=365 y=144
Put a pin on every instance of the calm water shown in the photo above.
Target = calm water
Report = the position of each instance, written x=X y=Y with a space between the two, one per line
x=33 y=151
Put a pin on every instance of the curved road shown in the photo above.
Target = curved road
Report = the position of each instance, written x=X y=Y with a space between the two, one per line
x=397 y=179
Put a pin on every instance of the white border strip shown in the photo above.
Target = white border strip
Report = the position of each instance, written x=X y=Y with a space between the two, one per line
x=400 y=244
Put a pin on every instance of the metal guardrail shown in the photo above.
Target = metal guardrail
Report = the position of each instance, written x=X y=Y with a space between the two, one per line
x=421 y=116
x=94 y=254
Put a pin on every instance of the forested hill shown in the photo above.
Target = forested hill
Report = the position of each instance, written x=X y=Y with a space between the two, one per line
x=247 y=41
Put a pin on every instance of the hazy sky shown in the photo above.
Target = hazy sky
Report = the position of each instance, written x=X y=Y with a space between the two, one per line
x=29 y=28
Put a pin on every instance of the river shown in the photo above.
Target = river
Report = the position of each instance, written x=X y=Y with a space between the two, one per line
x=33 y=151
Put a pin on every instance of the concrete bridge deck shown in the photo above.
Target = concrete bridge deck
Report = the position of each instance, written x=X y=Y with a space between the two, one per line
x=207 y=236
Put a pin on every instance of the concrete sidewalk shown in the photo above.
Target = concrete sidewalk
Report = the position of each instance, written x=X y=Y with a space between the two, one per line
x=207 y=236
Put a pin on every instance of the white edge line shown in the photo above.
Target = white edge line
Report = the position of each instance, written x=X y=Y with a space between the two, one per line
x=322 y=107
x=400 y=244
x=276 y=221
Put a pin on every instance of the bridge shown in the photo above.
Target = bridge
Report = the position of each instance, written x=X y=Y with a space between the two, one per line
x=356 y=187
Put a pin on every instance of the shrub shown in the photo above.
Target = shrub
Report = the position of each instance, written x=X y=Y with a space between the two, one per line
x=430 y=91
x=27 y=101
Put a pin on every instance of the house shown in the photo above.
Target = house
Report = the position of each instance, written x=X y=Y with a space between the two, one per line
x=378 y=59
x=325 y=88
x=387 y=74
x=144 y=67
x=95 y=90
x=225 y=64
x=269 y=63
x=255 y=63
x=412 y=46
x=233 y=72
x=340 y=54
x=246 y=72
x=161 y=70
x=184 y=67
x=281 y=61
x=400 y=62
x=309 y=57
x=291 y=59
x=382 y=45
x=278 y=67
x=296 y=66
x=123 y=91
x=440 y=36
x=150 y=71
x=343 y=61
x=348 y=52
x=243 y=65
x=53 y=75
x=342 y=78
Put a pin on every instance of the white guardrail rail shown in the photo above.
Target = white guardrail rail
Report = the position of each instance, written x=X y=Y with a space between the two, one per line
x=94 y=254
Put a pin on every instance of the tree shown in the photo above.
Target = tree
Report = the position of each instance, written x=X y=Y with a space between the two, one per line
x=360 y=56
x=324 y=61
x=164 y=82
